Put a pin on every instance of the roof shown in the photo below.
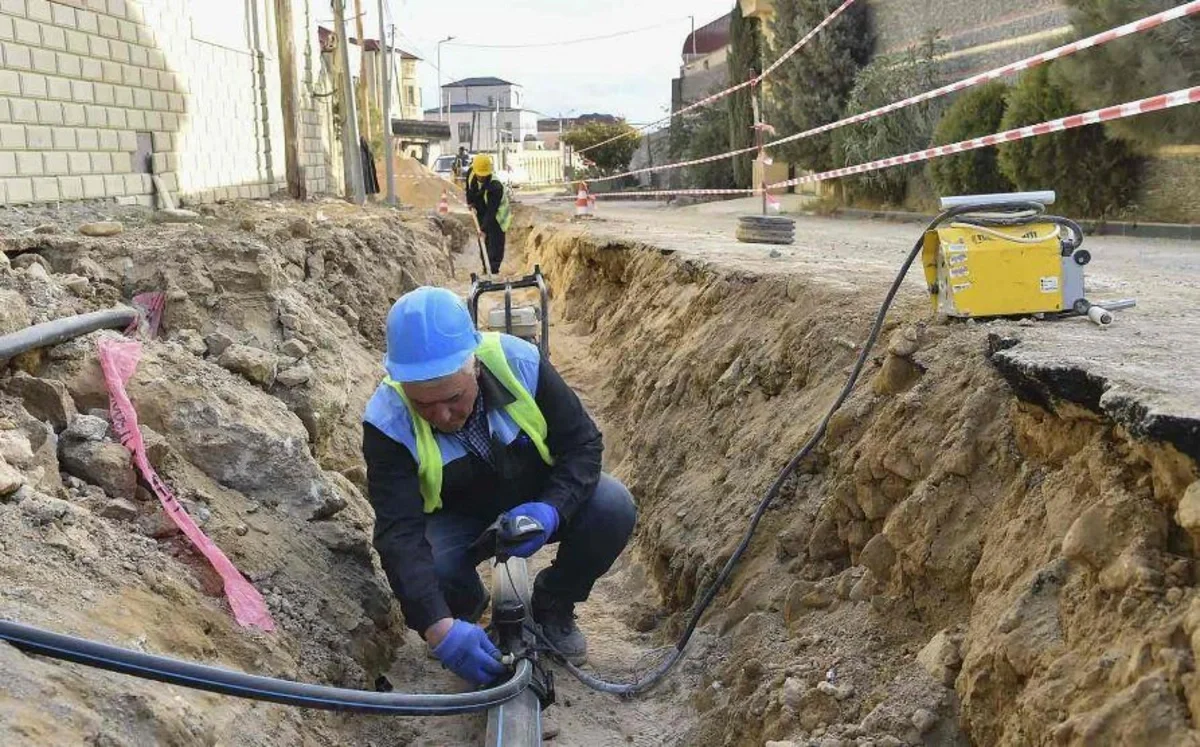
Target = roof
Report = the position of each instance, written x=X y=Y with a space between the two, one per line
x=478 y=83
x=325 y=37
x=711 y=37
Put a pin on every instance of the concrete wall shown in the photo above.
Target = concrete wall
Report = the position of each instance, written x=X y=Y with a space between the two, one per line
x=86 y=86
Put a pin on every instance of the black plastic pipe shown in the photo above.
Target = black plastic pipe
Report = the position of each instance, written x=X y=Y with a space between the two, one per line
x=60 y=330
x=241 y=685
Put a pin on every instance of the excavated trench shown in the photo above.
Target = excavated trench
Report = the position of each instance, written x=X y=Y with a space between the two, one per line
x=978 y=553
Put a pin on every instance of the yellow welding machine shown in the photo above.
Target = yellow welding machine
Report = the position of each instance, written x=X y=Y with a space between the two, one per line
x=978 y=270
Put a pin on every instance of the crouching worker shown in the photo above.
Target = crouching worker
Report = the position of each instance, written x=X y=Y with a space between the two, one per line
x=464 y=428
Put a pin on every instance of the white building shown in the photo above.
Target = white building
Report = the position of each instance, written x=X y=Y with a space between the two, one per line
x=484 y=114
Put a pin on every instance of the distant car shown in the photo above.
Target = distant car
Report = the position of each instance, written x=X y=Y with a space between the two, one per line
x=444 y=167
x=514 y=176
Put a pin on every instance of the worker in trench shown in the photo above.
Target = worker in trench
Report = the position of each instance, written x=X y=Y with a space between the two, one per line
x=488 y=198
x=465 y=427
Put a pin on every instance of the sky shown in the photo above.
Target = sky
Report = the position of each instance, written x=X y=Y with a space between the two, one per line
x=629 y=75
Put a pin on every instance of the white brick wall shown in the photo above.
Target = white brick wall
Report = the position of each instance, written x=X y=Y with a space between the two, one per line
x=79 y=79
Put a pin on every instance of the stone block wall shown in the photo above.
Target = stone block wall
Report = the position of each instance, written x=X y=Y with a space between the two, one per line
x=94 y=94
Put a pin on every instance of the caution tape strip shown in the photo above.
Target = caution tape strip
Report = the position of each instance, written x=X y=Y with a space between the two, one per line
x=1182 y=97
x=1096 y=40
x=1121 y=111
x=1104 y=37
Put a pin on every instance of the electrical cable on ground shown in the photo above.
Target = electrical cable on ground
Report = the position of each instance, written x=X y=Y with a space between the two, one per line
x=238 y=684
x=1004 y=214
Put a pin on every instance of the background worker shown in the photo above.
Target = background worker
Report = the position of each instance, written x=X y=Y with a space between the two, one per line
x=464 y=428
x=488 y=198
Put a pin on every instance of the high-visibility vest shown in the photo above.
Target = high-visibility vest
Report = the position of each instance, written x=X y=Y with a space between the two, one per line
x=523 y=411
x=504 y=212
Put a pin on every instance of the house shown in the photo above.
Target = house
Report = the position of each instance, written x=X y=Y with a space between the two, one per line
x=405 y=92
x=705 y=67
x=484 y=114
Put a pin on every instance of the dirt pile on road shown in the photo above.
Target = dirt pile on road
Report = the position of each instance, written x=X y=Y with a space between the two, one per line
x=954 y=565
x=250 y=404
x=417 y=185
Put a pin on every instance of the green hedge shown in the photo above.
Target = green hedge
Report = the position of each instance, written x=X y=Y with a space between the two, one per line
x=976 y=113
x=1093 y=174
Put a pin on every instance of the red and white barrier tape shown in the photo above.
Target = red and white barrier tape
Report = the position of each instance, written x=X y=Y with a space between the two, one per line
x=681 y=164
x=118 y=360
x=722 y=94
x=1104 y=37
x=1181 y=97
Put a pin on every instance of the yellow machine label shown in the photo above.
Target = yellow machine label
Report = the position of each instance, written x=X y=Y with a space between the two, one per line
x=997 y=271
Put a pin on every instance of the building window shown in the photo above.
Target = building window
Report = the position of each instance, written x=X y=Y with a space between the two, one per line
x=464 y=132
x=491 y=101
x=411 y=93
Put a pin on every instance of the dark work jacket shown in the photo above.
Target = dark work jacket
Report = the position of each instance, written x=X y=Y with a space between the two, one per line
x=472 y=487
x=495 y=193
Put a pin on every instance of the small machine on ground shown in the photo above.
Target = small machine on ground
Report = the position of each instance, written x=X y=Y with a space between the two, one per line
x=989 y=263
x=527 y=321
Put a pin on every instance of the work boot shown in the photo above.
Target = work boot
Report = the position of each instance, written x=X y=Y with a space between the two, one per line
x=557 y=620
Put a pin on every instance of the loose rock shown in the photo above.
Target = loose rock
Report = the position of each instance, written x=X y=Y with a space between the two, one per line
x=294 y=348
x=1188 y=513
x=46 y=229
x=924 y=720
x=119 y=509
x=257 y=366
x=295 y=376
x=878 y=556
x=838 y=692
x=105 y=464
x=102 y=228
x=176 y=215
x=301 y=228
x=45 y=399
x=26 y=261
x=941 y=658
x=87 y=428
x=217 y=343
x=793 y=692
x=10 y=479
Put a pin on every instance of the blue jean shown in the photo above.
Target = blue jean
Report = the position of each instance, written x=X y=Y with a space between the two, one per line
x=588 y=546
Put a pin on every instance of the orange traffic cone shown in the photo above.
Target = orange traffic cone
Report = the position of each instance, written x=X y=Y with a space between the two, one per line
x=582 y=201
x=443 y=205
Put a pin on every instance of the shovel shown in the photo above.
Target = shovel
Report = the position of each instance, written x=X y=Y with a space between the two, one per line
x=479 y=240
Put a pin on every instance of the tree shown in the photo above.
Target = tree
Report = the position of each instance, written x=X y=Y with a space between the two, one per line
x=884 y=81
x=745 y=62
x=610 y=158
x=1091 y=174
x=811 y=88
x=975 y=113
x=706 y=133
x=1158 y=61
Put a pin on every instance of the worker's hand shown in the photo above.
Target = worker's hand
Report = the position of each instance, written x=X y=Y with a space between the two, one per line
x=542 y=513
x=467 y=652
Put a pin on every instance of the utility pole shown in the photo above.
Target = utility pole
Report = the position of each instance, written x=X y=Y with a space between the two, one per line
x=285 y=36
x=389 y=49
x=364 y=93
x=351 y=158
x=441 y=96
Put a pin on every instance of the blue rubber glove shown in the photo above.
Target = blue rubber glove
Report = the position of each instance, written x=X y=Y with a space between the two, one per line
x=544 y=514
x=467 y=652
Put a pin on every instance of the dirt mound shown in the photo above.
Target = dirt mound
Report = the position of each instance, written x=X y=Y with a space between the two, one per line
x=418 y=186
x=250 y=403
x=953 y=566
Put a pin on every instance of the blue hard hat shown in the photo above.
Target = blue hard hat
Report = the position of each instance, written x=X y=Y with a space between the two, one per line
x=429 y=335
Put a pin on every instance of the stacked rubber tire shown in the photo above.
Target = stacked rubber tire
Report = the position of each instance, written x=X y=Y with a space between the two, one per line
x=763 y=229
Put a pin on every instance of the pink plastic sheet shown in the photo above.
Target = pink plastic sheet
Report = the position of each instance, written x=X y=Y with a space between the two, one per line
x=119 y=359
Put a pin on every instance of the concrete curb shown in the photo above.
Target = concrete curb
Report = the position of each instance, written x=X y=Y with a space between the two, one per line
x=1178 y=231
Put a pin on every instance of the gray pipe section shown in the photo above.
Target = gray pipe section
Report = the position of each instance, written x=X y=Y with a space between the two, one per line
x=60 y=330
